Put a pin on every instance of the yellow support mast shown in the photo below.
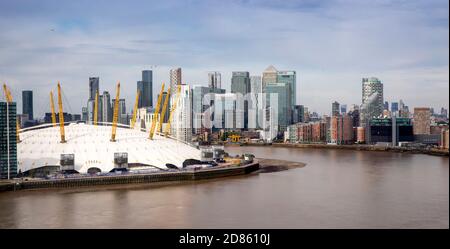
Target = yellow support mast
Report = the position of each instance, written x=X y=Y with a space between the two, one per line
x=163 y=112
x=96 y=108
x=136 y=103
x=116 y=113
x=172 y=110
x=61 y=116
x=155 y=114
x=9 y=99
x=52 y=107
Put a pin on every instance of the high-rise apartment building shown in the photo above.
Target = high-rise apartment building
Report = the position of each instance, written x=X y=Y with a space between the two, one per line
x=175 y=80
x=372 y=99
x=342 y=129
x=8 y=140
x=299 y=114
x=214 y=80
x=27 y=104
x=181 y=127
x=122 y=115
x=256 y=105
x=335 y=108
x=422 y=120
x=105 y=107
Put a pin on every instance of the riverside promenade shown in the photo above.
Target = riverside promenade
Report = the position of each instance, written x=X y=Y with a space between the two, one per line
x=172 y=176
x=362 y=147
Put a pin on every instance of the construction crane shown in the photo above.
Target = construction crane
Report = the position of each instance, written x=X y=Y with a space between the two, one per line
x=155 y=114
x=116 y=113
x=96 y=108
x=61 y=116
x=172 y=110
x=163 y=112
x=9 y=99
x=136 y=103
x=52 y=107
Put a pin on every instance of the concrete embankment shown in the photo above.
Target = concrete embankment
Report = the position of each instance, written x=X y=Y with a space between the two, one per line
x=189 y=175
x=435 y=152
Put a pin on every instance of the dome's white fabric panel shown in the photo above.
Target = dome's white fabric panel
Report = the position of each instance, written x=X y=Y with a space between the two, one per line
x=92 y=148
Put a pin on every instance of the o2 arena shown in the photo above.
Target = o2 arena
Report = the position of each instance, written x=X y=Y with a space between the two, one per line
x=90 y=149
x=100 y=147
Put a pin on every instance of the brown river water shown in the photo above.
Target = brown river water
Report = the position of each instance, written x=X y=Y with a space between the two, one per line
x=336 y=189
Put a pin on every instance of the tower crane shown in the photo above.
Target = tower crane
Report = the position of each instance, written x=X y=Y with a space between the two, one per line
x=136 y=103
x=163 y=112
x=172 y=110
x=52 y=107
x=61 y=116
x=155 y=114
x=116 y=113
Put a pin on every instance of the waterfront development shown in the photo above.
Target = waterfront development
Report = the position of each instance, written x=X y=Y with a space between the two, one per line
x=335 y=189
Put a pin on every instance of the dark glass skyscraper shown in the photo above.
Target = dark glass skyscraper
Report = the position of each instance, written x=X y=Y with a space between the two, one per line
x=94 y=84
x=8 y=140
x=146 y=89
x=394 y=107
x=27 y=103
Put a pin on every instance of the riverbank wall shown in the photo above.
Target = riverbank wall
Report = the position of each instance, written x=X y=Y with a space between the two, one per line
x=434 y=152
x=188 y=175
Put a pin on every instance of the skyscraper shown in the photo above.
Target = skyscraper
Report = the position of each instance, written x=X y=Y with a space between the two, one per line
x=444 y=112
x=290 y=78
x=145 y=88
x=181 y=127
x=199 y=106
x=214 y=80
x=372 y=99
x=269 y=76
x=106 y=108
x=422 y=120
x=386 y=105
x=335 y=108
x=343 y=109
x=8 y=140
x=122 y=115
x=94 y=86
x=175 y=80
x=394 y=107
x=299 y=114
x=256 y=105
x=27 y=103
x=240 y=83
x=281 y=90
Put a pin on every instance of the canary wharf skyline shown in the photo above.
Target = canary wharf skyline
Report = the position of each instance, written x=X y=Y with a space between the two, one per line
x=330 y=44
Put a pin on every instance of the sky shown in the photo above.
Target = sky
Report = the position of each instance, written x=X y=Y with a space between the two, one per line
x=331 y=45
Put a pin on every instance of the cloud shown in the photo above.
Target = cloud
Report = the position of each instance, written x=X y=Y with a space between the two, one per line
x=331 y=45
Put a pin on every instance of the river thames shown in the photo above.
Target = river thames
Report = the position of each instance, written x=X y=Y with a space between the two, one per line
x=336 y=189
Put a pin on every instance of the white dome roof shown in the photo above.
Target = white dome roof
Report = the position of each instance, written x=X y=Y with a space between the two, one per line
x=92 y=147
